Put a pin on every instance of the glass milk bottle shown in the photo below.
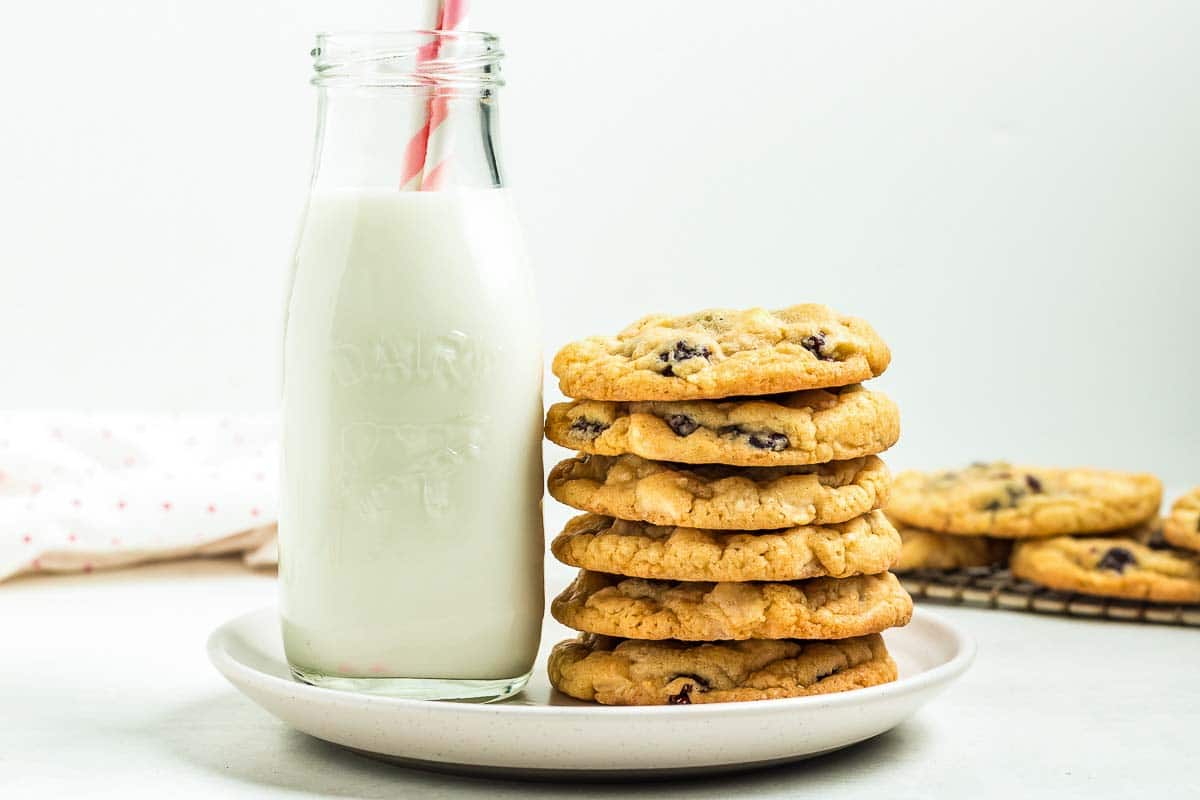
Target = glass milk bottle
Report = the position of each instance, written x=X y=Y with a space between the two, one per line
x=410 y=525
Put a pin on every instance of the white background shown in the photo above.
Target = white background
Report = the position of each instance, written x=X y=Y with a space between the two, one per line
x=1007 y=190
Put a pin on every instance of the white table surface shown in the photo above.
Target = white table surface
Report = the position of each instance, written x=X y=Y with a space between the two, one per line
x=105 y=691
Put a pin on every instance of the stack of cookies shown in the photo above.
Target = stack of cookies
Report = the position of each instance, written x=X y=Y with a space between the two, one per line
x=1090 y=531
x=732 y=547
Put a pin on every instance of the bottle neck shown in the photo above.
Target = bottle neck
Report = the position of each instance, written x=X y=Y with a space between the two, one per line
x=406 y=138
x=413 y=110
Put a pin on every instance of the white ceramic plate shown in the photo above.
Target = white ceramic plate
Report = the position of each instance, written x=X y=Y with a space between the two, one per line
x=542 y=733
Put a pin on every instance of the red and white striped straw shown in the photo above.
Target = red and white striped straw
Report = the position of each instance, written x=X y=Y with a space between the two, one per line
x=440 y=142
x=427 y=154
x=414 y=151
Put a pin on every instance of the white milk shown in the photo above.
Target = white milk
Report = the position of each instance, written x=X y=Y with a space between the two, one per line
x=410 y=525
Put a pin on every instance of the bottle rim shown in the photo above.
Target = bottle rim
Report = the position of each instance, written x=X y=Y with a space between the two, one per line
x=407 y=59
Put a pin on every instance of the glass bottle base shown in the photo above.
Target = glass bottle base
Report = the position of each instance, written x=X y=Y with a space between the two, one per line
x=472 y=691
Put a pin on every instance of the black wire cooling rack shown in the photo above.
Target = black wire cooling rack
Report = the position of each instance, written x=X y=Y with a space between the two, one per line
x=995 y=587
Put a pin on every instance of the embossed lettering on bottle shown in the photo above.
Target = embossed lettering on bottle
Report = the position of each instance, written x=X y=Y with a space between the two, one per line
x=410 y=465
x=451 y=361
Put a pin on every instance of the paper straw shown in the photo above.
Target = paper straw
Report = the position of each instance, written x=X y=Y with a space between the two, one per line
x=440 y=138
x=414 y=151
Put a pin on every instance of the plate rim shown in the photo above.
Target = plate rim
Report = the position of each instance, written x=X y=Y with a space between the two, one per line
x=965 y=649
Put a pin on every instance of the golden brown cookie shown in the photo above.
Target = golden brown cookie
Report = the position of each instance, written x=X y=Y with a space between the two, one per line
x=822 y=608
x=1003 y=500
x=1109 y=567
x=864 y=545
x=723 y=353
x=809 y=427
x=721 y=497
x=1182 y=526
x=1149 y=533
x=631 y=672
x=922 y=549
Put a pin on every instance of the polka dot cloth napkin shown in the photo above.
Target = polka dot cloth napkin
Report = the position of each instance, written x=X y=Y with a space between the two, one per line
x=79 y=493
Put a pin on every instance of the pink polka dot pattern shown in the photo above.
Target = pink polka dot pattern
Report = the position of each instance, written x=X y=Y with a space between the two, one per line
x=85 y=492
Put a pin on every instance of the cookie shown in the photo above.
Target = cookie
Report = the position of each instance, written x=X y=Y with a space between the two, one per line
x=821 y=608
x=864 y=545
x=922 y=549
x=809 y=427
x=999 y=499
x=1182 y=527
x=723 y=353
x=718 y=496
x=629 y=672
x=1109 y=567
x=1149 y=533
